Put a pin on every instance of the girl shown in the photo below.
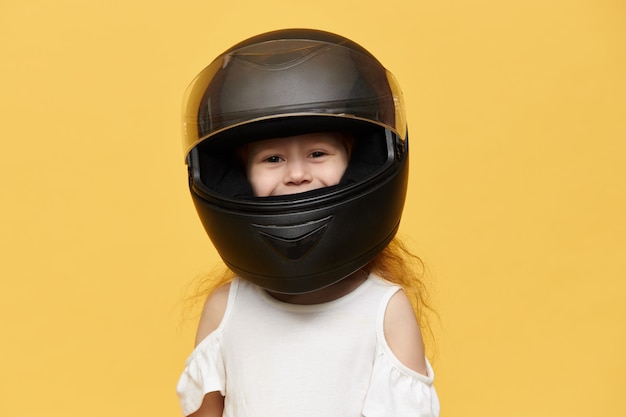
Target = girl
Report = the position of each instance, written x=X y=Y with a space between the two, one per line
x=297 y=147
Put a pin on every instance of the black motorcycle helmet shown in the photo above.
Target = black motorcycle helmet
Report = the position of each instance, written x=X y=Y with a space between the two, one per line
x=285 y=83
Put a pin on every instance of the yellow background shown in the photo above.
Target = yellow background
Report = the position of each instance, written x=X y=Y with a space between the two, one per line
x=517 y=115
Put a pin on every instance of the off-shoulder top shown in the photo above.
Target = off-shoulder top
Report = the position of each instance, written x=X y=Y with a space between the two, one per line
x=275 y=359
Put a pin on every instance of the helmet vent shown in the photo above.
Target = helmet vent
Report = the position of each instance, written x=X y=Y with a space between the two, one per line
x=293 y=242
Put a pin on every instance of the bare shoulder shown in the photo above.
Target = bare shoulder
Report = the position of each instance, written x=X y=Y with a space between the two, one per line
x=403 y=334
x=212 y=406
x=212 y=312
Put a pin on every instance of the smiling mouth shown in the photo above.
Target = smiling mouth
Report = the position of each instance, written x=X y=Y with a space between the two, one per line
x=296 y=189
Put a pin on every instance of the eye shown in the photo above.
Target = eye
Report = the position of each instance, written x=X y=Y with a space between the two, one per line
x=317 y=154
x=273 y=159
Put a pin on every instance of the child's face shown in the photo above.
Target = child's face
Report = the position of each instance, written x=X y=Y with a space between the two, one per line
x=296 y=164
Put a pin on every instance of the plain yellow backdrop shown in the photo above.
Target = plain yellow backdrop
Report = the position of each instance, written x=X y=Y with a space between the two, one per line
x=517 y=202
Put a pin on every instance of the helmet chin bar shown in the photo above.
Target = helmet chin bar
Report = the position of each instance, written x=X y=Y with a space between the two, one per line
x=314 y=282
x=304 y=242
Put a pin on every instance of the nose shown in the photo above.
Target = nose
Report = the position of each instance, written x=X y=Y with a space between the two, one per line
x=297 y=173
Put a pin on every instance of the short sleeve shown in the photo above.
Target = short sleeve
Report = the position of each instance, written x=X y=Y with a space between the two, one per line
x=396 y=390
x=204 y=372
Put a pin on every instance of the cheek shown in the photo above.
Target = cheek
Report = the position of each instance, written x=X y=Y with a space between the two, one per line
x=342 y=165
x=335 y=172
x=260 y=180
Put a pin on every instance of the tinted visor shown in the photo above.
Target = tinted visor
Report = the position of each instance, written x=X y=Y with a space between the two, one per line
x=286 y=78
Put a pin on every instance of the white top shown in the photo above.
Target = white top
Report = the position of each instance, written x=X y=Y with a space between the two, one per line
x=275 y=359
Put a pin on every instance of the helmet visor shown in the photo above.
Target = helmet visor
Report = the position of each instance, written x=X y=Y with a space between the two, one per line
x=287 y=78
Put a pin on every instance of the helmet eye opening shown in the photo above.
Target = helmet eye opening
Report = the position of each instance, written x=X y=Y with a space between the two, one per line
x=219 y=172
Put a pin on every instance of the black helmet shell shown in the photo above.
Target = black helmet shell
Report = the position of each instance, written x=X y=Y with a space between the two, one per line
x=286 y=83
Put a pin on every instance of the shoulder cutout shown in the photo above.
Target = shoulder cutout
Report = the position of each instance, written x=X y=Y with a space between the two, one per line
x=402 y=333
x=212 y=312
